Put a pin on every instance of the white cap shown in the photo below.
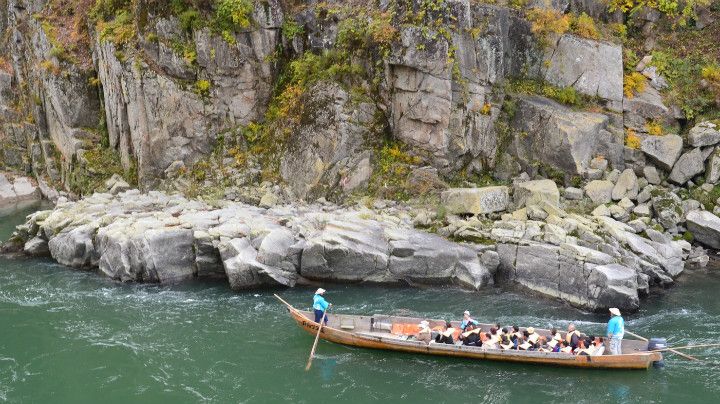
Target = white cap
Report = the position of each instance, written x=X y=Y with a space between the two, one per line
x=320 y=291
x=614 y=311
x=466 y=312
x=424 y=323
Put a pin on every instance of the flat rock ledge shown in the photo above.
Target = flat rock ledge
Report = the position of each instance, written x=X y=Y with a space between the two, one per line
x=156 y=237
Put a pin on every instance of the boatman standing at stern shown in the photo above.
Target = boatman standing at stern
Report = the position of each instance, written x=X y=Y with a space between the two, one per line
x=615 y=331
x=320 y=305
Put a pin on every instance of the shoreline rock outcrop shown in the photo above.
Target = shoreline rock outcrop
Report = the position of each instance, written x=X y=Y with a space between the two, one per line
x=159 y=238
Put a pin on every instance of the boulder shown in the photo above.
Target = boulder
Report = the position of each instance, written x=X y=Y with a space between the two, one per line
x=663 y=150
x=533 y=192
x=712 y=168
x=667 y=207
x=705 y=228
x=651 y=175
x=560 y=138
x=475 y=201
x=599 y=191
x=626 y=186
x=704 y=134
x=573 y=194
x=37 y=247
x=687 y=166
x=245 y=272
x=614 y=285
x=591 y=67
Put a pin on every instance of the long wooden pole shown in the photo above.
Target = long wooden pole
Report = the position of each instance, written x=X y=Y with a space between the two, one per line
x=688 y=347
x=692 y=358
x=317 y=337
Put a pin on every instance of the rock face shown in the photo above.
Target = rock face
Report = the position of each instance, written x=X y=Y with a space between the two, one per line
x=475 y=200
x=158 y=238
x=559 y=137
x=705 y=227
x=600 y=73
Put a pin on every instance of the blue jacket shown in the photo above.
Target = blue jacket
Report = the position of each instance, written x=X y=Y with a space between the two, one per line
x=319 y=303
x=616 y=327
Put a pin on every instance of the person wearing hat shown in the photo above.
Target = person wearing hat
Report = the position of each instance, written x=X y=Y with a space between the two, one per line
x=467 y=320
x=320 y=305
x=615 y=331
x=532 y=335
x=425 y=332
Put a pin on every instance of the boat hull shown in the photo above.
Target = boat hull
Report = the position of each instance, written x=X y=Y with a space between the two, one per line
x=638 y=360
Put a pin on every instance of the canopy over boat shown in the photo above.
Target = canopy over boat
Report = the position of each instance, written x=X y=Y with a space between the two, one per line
x=390 y=332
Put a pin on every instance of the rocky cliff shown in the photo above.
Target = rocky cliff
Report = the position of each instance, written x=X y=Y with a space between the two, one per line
x=419 y=101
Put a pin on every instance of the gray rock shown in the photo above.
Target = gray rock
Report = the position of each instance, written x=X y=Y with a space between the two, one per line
x=599 y=163
x=663 y=150
x=37 y=247
x=535 y=192
x=705 y=228
x=600 y=73
x=688 y=165
x=614 y=284
x=535 y=212
x=559 y=137
x=712 y=168
x=268 y=200
x=601 y=210
x=573 y=194
x=626 y=204
x=619 y=213
x=475 y=200
x=599 y=191
x=638 y=225
x=642 y=210
x=594 y=174
x=651 y=175
x=626 y=186
x=704 y=134
x=668 y=208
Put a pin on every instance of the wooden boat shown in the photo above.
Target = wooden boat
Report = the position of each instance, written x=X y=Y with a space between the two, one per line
x=376 y=332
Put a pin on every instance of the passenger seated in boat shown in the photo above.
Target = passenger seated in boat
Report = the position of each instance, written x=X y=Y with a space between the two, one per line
x=566 y=348
x=425 y=333
x=467 y=320
x=446 y=337
x=471 y=336
x=515 y=334
x=525 y=345
x=542 y=344
x=519 y=340
x=489 y=342
x=599 y=346
x=572 y=336
x=532 y=336
x=581 y=348
x=555 y=334
x=505 y=343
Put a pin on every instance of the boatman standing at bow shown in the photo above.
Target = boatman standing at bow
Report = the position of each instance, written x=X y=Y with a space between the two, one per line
x=320 y=305
x=615 y=331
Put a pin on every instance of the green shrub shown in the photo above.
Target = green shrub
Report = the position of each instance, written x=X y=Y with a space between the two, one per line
x=291 y=29
x=231 y=15
x=202 y=88
x=584 y=26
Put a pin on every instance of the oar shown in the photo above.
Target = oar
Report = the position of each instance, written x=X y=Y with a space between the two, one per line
x=687 y=347
x=692 y=358
x=317 y=337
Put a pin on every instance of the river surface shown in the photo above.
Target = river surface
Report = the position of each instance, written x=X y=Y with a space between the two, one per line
x=70 y=336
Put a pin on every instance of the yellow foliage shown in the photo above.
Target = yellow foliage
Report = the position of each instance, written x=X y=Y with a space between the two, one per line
x=632 y=140
x=633 y=83
x=548 y=21
x=202 y=87
x=653 y=128
x=486 y=109
x=584 y=26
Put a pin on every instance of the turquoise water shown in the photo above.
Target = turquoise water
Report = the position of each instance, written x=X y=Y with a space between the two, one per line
x=75 y=337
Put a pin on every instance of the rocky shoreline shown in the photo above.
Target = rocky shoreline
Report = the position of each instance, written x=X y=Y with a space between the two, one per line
x=592 y=261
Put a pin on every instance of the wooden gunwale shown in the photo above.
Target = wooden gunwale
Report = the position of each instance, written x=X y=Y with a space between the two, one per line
x=639 y=359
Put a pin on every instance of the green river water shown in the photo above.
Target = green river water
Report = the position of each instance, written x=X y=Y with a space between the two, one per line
x=70 y=336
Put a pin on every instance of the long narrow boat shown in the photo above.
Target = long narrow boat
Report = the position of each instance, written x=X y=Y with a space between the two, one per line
x=376 y=332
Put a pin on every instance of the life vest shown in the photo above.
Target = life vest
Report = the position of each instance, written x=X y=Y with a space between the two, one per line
x=569 y=335
x=449 y=332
